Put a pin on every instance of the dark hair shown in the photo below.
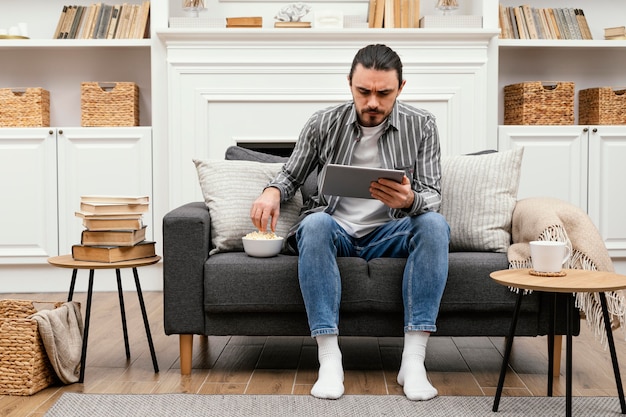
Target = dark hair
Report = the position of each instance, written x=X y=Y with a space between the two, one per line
x=378 y=57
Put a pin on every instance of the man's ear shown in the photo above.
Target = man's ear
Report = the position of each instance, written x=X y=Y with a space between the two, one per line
x=401 y=86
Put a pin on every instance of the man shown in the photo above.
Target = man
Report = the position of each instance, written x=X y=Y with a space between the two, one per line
x=401 y=219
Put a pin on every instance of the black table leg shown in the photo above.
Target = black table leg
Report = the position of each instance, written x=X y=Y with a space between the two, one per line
x=551 y=323
x=507 y=351
x=70 y=294
x=83 y=357
x=122 y=311
x=611 y=342
x=145 y=321
x=568 y=359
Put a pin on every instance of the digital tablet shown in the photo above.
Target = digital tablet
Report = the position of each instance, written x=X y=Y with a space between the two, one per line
x=354 y=181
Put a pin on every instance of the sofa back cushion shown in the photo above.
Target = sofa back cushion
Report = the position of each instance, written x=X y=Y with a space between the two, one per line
x=479 y=193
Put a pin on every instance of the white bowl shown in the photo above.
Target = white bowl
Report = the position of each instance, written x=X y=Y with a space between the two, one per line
x=262 y=248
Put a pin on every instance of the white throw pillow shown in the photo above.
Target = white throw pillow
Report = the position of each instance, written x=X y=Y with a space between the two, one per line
x=229 y=189
x=479 y=193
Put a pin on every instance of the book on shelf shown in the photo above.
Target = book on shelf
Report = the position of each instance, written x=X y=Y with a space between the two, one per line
x=112 y=223
x=113 y=208
x=248 y=22
x=394 y=13
x=110 y=254
x=104 y=21
x=113 y=237
x=303 y=25
x=526 y=22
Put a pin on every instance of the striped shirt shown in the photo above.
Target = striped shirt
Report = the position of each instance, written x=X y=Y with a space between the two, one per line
x=409 y=142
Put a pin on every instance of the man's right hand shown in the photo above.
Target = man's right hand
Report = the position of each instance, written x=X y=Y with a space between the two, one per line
x=264 y=207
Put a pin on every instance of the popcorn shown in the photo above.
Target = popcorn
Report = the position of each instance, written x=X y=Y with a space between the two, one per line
x=262 y=236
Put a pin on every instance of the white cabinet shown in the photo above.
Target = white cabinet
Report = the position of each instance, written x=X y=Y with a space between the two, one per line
x=554 y=163
x=580 y=164
x=28 y=186
x=45 y=171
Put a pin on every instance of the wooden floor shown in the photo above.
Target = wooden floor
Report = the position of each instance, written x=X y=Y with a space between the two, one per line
x=287 y=365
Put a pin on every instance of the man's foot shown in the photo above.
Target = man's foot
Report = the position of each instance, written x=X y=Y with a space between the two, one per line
x=412 y=375
x=329 y=383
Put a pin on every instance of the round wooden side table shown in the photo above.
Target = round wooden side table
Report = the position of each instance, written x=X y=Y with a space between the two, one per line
x=66 y=261
x=575 y=281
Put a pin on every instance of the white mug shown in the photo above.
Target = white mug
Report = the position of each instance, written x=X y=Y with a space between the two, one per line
x=548 y=256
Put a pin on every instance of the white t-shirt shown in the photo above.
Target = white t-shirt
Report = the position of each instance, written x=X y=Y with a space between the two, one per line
x=359 y=216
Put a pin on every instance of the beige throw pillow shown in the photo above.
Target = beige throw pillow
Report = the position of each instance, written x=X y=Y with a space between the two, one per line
x=479 y=193
x=229 y=189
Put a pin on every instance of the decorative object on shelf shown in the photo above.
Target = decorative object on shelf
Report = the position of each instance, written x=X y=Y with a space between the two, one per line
x=451 y=21
x=615 y=33
x=602 y=106
x=539 y=103
x=24 y=107
x=328 y=19
x=109 y=104
x=447 y=5
x=193 y=6
x=293 y=12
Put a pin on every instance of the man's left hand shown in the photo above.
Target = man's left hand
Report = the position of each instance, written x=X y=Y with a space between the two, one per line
x=393 y=194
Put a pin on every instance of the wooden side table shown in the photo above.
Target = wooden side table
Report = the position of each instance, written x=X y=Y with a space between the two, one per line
x=575 y=281
x=66 y=261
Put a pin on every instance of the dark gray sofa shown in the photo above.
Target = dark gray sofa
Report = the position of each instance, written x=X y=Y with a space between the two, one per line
x=234 y=294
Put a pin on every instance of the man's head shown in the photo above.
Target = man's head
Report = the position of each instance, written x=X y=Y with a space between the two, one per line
x=375 y=81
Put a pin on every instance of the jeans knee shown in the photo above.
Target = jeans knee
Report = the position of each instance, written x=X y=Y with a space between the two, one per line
x=432 y=224
x=315 y=225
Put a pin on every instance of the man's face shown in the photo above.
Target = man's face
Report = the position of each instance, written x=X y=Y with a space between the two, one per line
x=374 y=93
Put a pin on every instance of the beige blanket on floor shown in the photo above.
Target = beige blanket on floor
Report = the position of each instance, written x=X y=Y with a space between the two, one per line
x=61 y=330
x=552 y=219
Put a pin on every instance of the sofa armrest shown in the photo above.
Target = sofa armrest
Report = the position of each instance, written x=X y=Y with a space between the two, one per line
x=186 y=245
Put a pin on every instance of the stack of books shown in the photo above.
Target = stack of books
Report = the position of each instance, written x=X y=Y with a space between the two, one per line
x=393 y=13
x=104 y=21
x=525 y=22
x=114 y=229
x=615 y=33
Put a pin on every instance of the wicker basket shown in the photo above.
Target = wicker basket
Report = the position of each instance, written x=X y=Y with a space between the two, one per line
x=539 y=103
x=109 y=104
x=24 y=107
x=24 y=365
x=602 y=106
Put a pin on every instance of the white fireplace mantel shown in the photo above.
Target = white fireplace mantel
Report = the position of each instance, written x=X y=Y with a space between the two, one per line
x=229 y=86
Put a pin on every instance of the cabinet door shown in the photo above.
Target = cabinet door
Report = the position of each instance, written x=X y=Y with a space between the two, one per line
x=554 y=162
x=28 y=213
x=105 y=161
x=607 y=196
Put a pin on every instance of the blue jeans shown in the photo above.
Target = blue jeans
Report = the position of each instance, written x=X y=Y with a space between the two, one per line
x=422 y=239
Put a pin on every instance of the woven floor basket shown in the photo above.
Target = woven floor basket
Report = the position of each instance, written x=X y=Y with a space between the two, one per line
x=28 y=107
x=602 y=106
x=109 y=104
x=24 y=365
x=537 y=103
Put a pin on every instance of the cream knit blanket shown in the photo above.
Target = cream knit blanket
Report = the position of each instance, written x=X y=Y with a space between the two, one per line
x=545 y=218
x=61 y=331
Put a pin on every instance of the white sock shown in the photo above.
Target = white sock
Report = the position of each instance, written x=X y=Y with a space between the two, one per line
x=329 y=383
x=412 y=375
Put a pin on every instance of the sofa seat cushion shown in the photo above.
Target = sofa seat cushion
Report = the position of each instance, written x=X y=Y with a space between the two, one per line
x=235 y=282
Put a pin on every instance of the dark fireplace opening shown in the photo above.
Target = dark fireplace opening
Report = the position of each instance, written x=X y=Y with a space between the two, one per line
x=272 y=148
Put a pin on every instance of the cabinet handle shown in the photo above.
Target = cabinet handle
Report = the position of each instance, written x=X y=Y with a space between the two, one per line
x=61 y=132
x=595 y=130
x=585 y=129
x=51 y=132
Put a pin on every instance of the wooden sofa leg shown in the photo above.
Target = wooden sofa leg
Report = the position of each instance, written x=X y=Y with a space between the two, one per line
x=556 y=366
x=186 y=352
